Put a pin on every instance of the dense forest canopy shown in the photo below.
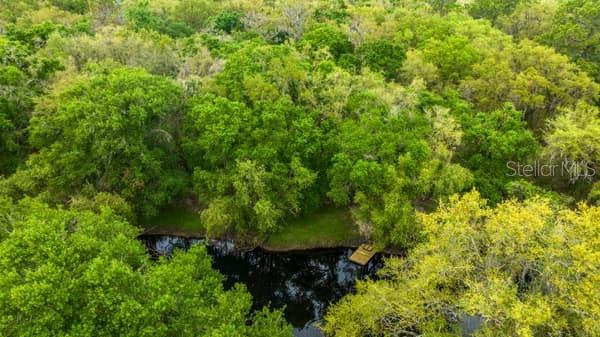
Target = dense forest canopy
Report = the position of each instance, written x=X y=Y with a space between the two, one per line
x=77 y=273
x=520 y=269
x=254 y=113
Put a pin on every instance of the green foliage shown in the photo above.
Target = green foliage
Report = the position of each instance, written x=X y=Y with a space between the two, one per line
x=11 y=10
x=572 y=142
x=594 y=195
x=454 y=56
x=262 y=112
x=112 y=129
x=536 y=79
x=332 y=10
x=520 y=269
x=328 y=37
x=249 y=163
x=491 y=9
x=575 y=32
x=77 y=6
x=570 y=26
x=443 y=6
x=79 y=273
x=34 y=36
x=142 y=17
x=488 y=67
x=13 y=116
x=575 y=134
x=528 y=20
x=383 y=55
x=149 y=50
x=385 y=163
x=491 y=142
x=253 y=151
x=521 y=189
x=6 y=218
x=228 y=21
x=91 y=200
x=22 y=76
x=195 y=13
x=280 y=108
x=258 y=72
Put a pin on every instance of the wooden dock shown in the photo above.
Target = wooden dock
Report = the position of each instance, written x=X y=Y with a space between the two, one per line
x=363 y=254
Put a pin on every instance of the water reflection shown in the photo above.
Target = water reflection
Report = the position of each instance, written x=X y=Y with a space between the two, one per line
x=304 y=283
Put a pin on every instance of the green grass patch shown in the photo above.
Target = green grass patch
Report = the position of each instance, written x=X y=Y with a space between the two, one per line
x=325 y=228
x=176 y=221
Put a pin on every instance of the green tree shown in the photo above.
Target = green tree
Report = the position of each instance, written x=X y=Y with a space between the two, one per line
x=77 y=6
x=529 y=20
x=572 y=142
x=79 y=273
x=113 y=129
x=536 y=79
x=575 y=134
x=491 y=142
x=443 y=6
x=257 y=72
x=327 y=36
x=520 y=269
x=594 y=195
x=387 y=163
x=575 y=32
x=491 y=10
x=454 y=56
x=228 y=21
x=150 y=50
x=11 y=10
x=252 y=163
x=487 y=66
x=384 y=56
x=195 y=13
x=23 y=76
x=141 y=16
x=14 y=110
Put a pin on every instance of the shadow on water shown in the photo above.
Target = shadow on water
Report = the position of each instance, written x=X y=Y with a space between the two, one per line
x=304 y=283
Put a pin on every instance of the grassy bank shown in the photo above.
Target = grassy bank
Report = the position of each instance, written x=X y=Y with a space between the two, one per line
x=176 y=221
x=323 y=229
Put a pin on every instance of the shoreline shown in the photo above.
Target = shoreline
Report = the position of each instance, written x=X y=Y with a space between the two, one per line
x=351 y=243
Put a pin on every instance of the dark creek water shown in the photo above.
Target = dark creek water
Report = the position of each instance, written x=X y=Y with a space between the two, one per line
x=305 y=283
